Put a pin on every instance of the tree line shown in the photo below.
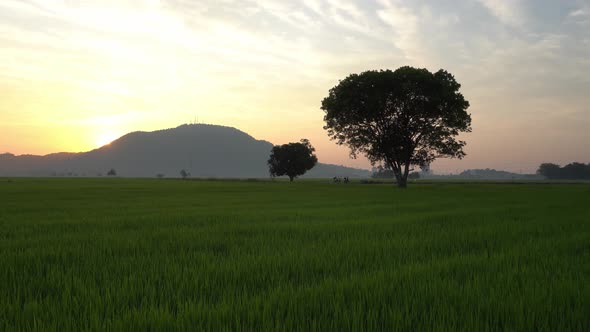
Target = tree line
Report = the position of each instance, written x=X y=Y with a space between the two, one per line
x=572 y=171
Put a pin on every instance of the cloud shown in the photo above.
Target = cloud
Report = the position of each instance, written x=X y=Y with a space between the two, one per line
x=235 y=61
x=405 y=27
x=509 y=12
x=578 y=13
x=581 y=16
x=314 y=5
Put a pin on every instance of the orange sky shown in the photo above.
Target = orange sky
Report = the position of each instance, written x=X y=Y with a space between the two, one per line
x=76 y=74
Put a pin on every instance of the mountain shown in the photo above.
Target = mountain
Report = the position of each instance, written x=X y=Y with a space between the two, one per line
x=203 y=150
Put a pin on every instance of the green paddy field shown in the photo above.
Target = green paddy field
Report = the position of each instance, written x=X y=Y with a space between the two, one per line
x=123 y=254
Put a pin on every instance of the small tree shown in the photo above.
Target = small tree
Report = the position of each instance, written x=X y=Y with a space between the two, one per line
x=293 y=159
x=112 y=172
x=184 y=173
x=402 y=118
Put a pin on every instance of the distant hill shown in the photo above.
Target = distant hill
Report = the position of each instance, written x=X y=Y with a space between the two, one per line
x=203 y=150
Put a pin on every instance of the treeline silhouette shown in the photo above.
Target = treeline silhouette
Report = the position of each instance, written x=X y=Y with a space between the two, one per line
x=573 y=171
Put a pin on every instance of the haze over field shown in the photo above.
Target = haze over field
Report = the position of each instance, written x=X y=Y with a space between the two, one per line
x=75 y=75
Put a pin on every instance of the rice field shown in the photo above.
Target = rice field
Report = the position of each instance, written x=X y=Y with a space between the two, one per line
x=142 y=254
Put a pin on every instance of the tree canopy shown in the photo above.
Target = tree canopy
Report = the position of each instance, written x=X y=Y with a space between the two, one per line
x=572 y=171
x=399 y=119
x=293 y=159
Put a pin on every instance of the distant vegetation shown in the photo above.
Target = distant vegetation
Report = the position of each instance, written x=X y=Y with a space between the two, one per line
x=485 y=174
x=573 y=171
x=145 y=255
x=469 y=174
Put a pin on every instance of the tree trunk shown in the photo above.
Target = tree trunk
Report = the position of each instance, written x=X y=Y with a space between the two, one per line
x=398 y=177
x=402 y=181
x=396 y=172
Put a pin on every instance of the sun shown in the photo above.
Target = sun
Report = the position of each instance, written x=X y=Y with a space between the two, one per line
x=105 y=138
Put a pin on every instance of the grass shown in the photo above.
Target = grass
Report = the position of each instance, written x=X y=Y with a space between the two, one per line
x=119 y=254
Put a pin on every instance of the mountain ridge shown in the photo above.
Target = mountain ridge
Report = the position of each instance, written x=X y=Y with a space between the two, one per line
x=204 y=150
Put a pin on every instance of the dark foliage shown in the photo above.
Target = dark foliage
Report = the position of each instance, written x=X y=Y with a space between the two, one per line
x=402 y=118
x=184 y=173
x=292 y=160
x=573 y=171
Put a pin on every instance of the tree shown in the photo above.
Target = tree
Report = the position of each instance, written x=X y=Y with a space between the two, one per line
x=572 y=171
x=575 y=171
x=292 y=159
x=112 y=172
x=402 y=118
x=550 y=171
x=184 y=173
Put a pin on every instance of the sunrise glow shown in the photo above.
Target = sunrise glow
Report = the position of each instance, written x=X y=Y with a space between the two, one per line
x=105 y=139
x=263 y=66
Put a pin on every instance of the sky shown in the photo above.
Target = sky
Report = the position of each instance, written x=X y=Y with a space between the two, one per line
x=76 y=74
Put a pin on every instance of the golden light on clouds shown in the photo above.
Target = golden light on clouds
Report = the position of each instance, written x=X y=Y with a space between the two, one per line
x=77 y=74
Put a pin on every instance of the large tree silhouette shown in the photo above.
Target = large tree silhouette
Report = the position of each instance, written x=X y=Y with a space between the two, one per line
x=398 y=119
x=293 y=159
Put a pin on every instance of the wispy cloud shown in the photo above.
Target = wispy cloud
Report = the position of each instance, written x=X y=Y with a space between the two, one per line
x=508 y=12
x=404 y=23
x=248 y=62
